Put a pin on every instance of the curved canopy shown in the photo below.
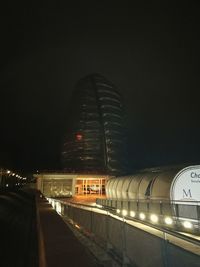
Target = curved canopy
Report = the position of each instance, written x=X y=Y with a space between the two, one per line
x=173 y=183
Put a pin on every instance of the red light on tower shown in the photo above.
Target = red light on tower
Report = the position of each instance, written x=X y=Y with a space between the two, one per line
x=79 y=137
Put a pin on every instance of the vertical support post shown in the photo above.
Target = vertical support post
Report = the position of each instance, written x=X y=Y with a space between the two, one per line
x=73 y=185
x=83 y=188
x=100 y=187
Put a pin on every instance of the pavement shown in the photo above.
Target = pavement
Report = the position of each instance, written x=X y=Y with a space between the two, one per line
x=58 y=245
x=84 y=199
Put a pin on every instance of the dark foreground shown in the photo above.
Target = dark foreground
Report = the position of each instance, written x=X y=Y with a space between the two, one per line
x=18 y=238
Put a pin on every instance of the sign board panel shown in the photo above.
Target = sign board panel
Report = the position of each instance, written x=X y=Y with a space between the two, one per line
x=186 y=185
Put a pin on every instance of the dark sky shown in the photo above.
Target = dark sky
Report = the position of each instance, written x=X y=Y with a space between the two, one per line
x=150 y=52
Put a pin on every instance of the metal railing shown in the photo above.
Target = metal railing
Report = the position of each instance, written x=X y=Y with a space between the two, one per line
x=169 y=213
x=118 y=236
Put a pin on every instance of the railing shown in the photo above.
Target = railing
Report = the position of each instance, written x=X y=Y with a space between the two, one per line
x=127 y=242
x=176 y=214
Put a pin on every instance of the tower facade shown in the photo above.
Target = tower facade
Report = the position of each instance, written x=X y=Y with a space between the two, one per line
x=95 y=140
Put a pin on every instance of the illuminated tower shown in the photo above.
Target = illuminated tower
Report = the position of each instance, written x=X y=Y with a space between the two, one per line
x=95 y=136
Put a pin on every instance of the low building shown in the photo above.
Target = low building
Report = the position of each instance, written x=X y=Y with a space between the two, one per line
x=55 y=184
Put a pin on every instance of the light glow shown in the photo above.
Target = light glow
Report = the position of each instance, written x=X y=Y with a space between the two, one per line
x=98 y=206
x=168 y=220
x=77 y=226
x=53 y=203
x=124 y=212
x=187 y=225
x=79 y=137
x=58 y=207
x=142 y=216
x=118 y=210
x=132 y=214
x=154 y=218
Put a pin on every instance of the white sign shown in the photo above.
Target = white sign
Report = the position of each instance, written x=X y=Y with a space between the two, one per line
x=186 y=185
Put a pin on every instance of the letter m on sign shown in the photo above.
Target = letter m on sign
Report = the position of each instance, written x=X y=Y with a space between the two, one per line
x=187 y=194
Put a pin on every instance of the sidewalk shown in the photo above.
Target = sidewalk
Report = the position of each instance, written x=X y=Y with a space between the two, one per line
x=58 y=245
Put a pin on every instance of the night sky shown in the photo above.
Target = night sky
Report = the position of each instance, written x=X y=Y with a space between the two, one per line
x=150 y=52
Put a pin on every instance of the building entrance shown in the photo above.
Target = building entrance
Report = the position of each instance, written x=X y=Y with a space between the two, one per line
x=88 y=186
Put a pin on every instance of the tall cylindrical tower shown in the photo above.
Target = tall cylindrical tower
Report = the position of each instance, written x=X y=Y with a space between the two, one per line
x=95 y=140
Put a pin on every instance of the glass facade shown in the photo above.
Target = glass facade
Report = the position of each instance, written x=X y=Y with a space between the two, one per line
x=95 y=137
x=57 y=187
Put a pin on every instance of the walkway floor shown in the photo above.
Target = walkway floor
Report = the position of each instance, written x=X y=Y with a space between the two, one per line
x=84 y=199
x=59 y=245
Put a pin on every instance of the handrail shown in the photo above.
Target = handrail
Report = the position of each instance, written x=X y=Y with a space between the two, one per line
x=164 y=231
